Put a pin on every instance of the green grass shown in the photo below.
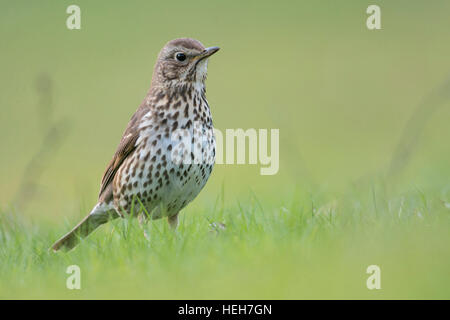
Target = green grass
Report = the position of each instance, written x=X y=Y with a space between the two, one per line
x=317 y=245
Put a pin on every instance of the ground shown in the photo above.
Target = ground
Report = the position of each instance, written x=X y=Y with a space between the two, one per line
x=307 y=248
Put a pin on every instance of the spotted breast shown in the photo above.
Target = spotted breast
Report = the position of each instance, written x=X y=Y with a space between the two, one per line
x=175 y=153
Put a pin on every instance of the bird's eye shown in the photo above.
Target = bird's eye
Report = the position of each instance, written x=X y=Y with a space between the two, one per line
x=180 y=56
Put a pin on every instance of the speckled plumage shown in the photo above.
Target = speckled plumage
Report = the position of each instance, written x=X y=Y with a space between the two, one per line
x=154 y=172
x=167 y=151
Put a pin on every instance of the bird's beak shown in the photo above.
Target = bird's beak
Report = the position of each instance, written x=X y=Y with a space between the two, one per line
x=208 y=52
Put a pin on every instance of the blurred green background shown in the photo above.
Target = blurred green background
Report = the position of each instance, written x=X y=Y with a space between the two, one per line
x=342 y=96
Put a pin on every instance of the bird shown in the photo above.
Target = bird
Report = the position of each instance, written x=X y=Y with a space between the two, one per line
x=167 y=151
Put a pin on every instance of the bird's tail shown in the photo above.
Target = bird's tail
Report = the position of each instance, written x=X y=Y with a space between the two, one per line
x=97 y=217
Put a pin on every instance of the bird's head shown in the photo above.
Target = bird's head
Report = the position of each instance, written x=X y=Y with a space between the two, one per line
x=182 y=61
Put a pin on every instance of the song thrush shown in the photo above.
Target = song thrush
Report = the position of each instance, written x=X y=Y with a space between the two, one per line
x=167 y=151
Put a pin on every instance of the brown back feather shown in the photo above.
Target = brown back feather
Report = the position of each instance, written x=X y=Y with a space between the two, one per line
x=126 y=147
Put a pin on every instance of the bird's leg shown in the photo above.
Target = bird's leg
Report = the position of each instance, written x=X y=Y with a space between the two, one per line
x=143 y=220
x=173 y=221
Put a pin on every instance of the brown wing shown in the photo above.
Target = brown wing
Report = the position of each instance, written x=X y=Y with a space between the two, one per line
x=126 y=146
